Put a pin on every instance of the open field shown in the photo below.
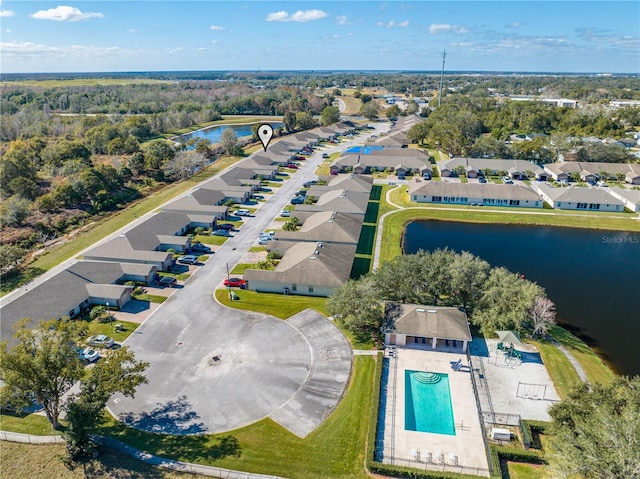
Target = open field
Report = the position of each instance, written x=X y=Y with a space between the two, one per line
x=51 y=83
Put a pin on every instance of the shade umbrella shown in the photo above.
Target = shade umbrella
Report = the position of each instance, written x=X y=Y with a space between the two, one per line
x=509 y=337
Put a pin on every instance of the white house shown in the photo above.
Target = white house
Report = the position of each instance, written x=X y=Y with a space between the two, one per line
x=630 y=198
x=579 y=198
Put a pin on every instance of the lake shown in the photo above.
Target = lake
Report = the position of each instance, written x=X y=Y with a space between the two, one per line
x=215 y=132
x=592 y=276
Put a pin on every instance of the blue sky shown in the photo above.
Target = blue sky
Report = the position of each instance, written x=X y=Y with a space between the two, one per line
x=70 y=36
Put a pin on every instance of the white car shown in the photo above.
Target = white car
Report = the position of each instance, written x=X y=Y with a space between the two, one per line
x=101 y=341
x=242 y=213
x=285 y=213
x=89 y=354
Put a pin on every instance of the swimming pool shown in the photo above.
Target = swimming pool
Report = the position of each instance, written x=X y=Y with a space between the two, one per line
x=363 y=150
x=427 y=403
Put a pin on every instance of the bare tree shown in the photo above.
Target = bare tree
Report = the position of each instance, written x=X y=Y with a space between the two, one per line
x=184 y=164
x=543 y=315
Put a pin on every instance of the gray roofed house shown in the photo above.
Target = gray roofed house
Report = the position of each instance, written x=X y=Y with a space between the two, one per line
x=327 y=227
x=310 y=269
x=630 y=198
x=430 y=327
x=579 y=198
x=119 y=249
x=201 y=201
x=359 y=183
x=237 y=193
x=564 y=170
x=342 y=201
x=395 y=159
x=70 y=292
x=488 y=194
x=516 y=169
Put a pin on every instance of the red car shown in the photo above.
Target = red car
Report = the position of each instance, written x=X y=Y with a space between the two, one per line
x=293 y=166
x=235 y=282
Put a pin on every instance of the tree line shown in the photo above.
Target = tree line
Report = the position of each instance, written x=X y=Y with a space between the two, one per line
x=494 y=298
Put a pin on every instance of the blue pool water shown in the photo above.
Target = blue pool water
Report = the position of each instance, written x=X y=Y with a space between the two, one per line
x=214 y=133
x=364 y=150
x=427 y=405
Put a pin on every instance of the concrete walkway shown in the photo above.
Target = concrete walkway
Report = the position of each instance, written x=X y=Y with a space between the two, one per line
x=157 y=461
x=574 y=362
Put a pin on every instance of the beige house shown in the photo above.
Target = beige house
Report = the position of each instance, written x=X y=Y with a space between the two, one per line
x=428 y=327
x=310 y=269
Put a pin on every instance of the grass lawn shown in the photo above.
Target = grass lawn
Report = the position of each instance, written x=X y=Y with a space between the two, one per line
x=518 y=470
x=367 y=238
x=278 y=305
x=334 y=450
x=241 y=267
x=26 y=424
x=562 y=372
x=597 y=371
x=26 y=461
x=96 y=327
x=371 y=215
x=152 y=298
x=257 y=249
x=211 y=239
x=361 y=265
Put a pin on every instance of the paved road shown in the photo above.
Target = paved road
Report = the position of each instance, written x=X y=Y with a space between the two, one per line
x=293 y=371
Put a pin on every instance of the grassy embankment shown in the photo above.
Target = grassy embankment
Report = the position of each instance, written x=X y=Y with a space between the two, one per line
x=106 y=225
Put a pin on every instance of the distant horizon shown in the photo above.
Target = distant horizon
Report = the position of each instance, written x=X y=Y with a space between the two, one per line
x=528 y=36
x=328 y=72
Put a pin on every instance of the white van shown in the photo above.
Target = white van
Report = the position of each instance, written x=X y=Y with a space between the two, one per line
x=242 y=213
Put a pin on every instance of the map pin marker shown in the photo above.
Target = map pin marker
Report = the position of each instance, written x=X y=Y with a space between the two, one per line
x=265 y=133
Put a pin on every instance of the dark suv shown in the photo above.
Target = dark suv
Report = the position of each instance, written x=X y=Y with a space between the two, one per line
x=169 y=281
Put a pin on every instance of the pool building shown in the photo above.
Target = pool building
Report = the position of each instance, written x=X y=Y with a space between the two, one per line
x=429 y=417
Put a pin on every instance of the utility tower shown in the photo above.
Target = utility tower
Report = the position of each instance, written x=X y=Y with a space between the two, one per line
x=444 y=55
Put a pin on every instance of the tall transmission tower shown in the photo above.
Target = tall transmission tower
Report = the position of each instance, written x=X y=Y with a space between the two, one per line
x=444 y=55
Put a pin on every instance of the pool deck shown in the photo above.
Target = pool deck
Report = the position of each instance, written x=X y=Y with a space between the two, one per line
x=407 y=448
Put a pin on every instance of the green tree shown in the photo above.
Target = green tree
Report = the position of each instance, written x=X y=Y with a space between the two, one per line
x=412 y=107
x=393 y=111
x=14 y=211
x=329 y=115
x=291 y=225
x=595 y=431
x=506 y=302
x=43 y=362
x=99 y=313
x=119 y=372
x=369 y=110
x=357 y=306
x=304 y=120
x=468 y=275
x=10 y=256
x=156 y=152
x=289 y=120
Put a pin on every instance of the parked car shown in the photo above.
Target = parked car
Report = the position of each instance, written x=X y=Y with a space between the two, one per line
x=235 y=282
x=89 y=354
x=242 y=213
x=299 y=158
x=221 y=233
x=482 y=180
x=310 y=183
x=188 y=259
x=325 y=155
x=225 y=226
x=202 y=248
x=506 y=180
x=169 y=281
x=100 y=341
x=285 y=213
x=297 y=200
x=293 y=166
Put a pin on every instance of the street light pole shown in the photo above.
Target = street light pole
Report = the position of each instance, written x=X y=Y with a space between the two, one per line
x=109 y=315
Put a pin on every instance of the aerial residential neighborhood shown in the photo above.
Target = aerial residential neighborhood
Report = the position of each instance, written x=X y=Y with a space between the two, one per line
x=342 y=240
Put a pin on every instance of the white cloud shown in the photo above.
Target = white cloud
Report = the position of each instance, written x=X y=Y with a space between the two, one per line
x=299 y=16
x=6 y=13
x=446 y=28
x=65 y=13
x=133 y=30
x=515 y=24
x=216 y=27
x=8 y=30
x=171 y=51
x=215 y=42
x=342 y=20
x=462 y=44
x=393 y=23
x=30 y=49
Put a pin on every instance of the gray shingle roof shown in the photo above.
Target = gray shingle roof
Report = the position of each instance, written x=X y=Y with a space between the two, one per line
x=472 y=190
x=494 y=164
x=307 y=263
x=429 y=321
x=326 y=226
x=577 y=194
x=340 y=201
